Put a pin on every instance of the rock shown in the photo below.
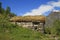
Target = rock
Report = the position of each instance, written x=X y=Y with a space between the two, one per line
x=51 y=18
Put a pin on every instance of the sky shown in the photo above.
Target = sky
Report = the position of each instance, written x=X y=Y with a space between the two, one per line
x=32 y=7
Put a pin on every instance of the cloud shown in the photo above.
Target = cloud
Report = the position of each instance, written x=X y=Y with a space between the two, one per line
x=55 y=4
x=56 y=10
x=42 y=9
x=39 y=11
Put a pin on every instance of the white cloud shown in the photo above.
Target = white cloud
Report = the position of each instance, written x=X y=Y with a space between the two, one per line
x=39 y=11
x=56 y=10
x=55 y=4
x=43 y=8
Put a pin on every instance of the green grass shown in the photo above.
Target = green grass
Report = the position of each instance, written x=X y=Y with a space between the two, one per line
x=24 y=34
x=20 y=34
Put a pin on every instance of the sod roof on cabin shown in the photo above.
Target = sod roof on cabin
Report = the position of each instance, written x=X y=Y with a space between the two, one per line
x=28 y=19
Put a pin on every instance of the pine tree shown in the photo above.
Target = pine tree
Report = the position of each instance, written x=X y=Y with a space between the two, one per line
x=7 y=10
x=0 y=7
x=9 y=13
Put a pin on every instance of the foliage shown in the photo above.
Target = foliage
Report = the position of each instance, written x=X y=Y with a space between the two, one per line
x=56 y=27
x=0 y=7
x=6 y=12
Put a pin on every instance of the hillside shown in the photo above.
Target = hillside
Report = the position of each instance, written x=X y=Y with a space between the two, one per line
x=51 y=18
x=19 y=34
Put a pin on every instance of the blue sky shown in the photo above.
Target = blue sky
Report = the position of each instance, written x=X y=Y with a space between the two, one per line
x=31 y=7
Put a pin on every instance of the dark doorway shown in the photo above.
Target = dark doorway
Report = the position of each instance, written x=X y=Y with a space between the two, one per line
x=36 y=23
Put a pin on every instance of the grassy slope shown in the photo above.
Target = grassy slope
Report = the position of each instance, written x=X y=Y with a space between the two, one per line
x=20 y=34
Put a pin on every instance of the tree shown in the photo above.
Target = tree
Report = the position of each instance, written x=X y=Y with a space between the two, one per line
x=0 y=7
x=8 y=10
x=11 y=15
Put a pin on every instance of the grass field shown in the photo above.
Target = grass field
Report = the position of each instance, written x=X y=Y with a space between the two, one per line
x=20 y=34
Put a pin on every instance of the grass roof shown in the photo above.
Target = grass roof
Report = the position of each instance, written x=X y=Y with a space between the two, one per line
x=28 y=18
